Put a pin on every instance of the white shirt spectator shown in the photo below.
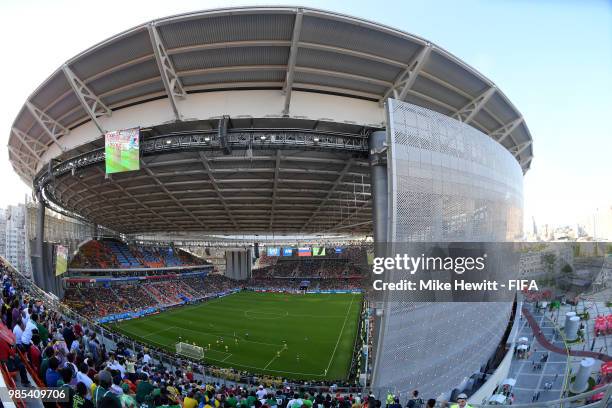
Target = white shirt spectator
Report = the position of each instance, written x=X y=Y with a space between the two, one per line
x=117 y=390
x=18 y=333
x=26 y=337
x=82 y=377
x=114 y=365
x=295 y=403
x=146 y=358
x=74 y=346
x=261 y=393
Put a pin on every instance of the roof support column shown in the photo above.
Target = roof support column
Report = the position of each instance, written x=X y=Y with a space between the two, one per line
x=172 y=83
x=520 y=148
x=51 y=127
x=503 y=132
x=469 y=111
x=26 y=166
x=91 y=103
x=38 y=266
x=379 y=183
x=406 y=79
x=297 y=28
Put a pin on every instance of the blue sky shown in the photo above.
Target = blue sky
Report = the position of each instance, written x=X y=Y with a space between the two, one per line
x=553 y=59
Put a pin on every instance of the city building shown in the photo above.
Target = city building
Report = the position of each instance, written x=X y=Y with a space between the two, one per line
x=15 y=248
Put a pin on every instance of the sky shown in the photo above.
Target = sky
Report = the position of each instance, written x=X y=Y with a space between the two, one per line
x=553 y=59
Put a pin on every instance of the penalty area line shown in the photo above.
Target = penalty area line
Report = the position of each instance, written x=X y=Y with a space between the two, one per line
x=340 y=335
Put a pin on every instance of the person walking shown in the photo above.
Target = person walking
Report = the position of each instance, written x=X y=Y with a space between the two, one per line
x=461 y=402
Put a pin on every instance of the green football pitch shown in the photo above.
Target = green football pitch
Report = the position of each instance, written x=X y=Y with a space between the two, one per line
x=318 y=329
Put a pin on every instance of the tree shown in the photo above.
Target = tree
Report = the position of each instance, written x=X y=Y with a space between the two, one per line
x=549 y=263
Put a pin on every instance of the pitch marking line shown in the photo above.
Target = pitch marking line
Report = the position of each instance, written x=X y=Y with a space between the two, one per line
x=276 y=371
x=227 y=336
x=252 y=314
x=157 y=332
x=339 y=336
x=270 y=362
x=275 y=356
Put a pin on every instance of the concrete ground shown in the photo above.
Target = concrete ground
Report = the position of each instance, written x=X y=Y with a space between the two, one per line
x=558 y=367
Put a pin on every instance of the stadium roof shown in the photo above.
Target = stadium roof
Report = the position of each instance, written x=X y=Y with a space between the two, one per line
x=289 y=49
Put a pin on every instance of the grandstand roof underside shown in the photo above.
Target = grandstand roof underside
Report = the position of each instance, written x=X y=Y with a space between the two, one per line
x=282 y=190
x=266 y=67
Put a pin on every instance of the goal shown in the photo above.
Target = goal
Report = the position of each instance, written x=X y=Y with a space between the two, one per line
x=189 y=350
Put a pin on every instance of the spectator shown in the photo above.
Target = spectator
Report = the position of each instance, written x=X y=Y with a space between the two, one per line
x=28 y=332
x=395 y=404
x=127 y=399
x=35 y=353
x=64 y=384
x=9 y=357
x=48 y=353
x=415 y=401
x=103 y=390
x=461 y=402
x=83 y=378
x=52 y=376
x=261 y=392
x=18 y=332
x=80 y=398
x=143 y=389
x=190 y=401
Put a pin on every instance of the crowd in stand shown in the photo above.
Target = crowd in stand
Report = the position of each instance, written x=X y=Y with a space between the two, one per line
x=333 y=271
x=50 y=350
x=95 y=300
x=349 y=262
x=116 y=254
x=295 y=284
x=134 y=296
x=310 y=268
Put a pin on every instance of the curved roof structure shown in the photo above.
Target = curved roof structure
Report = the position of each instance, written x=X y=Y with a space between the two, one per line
x=285 y=50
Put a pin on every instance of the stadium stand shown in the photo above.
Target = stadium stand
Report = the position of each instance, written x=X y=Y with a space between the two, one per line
x=110 y=253
x=95 y=300
x=72 y=354
x=134 y=297
x=124 y=255
x=150 y=258
x=94 y=254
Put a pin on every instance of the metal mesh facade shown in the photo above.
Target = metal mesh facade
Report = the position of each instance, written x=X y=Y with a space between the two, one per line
x=58 y=229
x=447 y=182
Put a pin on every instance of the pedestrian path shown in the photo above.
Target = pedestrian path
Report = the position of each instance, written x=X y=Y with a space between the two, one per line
x=537 y=332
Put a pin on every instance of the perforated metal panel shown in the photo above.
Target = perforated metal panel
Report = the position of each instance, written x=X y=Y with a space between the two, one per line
x=447 y=182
